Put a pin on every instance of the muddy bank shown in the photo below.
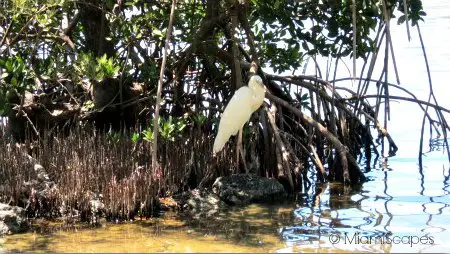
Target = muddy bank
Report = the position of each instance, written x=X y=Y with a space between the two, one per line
x=239 y=189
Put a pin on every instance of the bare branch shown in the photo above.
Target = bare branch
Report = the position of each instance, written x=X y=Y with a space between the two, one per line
x=158 y=93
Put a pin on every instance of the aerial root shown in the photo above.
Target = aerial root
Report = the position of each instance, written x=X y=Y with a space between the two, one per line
x=284 y=168
x=342 y=150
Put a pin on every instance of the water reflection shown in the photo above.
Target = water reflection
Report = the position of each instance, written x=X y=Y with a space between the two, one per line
x=335 y=211
x=404 y=202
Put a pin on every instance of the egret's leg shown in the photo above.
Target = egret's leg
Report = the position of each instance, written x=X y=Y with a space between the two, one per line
x=240 y=151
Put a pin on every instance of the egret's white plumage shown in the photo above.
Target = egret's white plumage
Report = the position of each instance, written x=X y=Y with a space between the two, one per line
x=244 y=102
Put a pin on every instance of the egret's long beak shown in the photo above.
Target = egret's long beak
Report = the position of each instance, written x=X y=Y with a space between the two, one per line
x=253 y=68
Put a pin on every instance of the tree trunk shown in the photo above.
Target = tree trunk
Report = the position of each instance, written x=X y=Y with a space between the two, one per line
x=95 y=28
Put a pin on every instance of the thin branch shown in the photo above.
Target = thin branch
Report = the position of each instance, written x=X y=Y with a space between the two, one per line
x=315 y=160
x=431 y=95
x=72 y=24
x=392 y=85
x=286 y=170
x=362 y=88
x=387 y=114
x=158 y=93
x=326 y=97
x=8 y=30
x=354 y=37
x=405 y=10
x=394 y=62
x=15 y=39
x=243 y=18
x=394 y=97
x=237 y=77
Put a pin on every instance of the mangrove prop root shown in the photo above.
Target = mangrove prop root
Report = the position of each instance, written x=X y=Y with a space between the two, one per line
x=280 y=145
x=341 y=149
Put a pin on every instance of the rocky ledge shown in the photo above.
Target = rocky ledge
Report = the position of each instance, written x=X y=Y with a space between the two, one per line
x=12 y=220
x=242 y=189
x=239 y=189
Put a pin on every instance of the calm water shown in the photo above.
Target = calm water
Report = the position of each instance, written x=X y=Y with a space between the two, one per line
x=396 y=205
x=400 y=208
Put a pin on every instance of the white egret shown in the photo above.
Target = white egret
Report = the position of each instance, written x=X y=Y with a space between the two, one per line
x=244 y=102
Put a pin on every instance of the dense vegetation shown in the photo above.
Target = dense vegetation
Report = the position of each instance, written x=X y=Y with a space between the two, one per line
x=79 y=85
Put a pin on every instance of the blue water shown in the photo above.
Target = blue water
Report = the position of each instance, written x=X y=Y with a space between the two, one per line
x=399 y=200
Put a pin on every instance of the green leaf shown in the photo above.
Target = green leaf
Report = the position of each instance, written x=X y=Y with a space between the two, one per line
x=148 y=135
x=304 y=97
x=9 y=65
x=14 y=81
x=157 y=32
x=401 y=19
x=134 y=137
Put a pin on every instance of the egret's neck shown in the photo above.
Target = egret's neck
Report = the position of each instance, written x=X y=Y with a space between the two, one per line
x=258 y=93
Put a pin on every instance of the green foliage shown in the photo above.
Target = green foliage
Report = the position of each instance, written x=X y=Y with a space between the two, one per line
x=16 y=78
x=134 y=137
x=114 y=137
x=96 y=69
x=3 y=100
x=318 y=27
x=171 y=128
x=106 y=68
x=85 y=66
x=199 y=119
x=149 y=72
x=20 y=5
x=148 y=134
x=87 y=105
x=285 y=32
x=415 y=12
x=168 y=129
x=303 y=99
x=48 y=68
x=15 y=73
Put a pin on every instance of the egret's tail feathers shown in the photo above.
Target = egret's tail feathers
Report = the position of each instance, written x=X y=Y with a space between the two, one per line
x=219 y=142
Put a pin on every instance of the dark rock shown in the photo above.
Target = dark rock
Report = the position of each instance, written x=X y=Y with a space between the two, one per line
x=12 y=220
x=243 y=189
x=200 y=203
x=97 y=208
x=40 y=193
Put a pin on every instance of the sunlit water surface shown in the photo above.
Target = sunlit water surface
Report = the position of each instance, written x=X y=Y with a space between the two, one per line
x=400 y=208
